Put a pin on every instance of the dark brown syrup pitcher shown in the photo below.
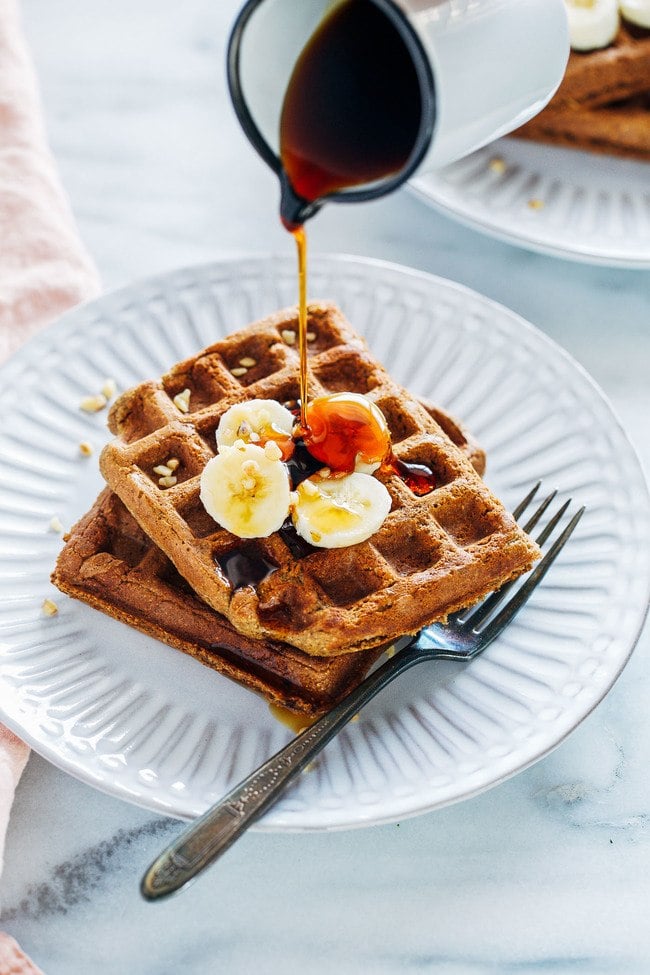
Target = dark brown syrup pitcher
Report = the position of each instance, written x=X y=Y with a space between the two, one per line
x=352 y=110
x=351 y=116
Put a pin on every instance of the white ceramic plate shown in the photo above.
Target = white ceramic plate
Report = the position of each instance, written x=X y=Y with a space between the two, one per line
x=571 y=204
x=148 y=724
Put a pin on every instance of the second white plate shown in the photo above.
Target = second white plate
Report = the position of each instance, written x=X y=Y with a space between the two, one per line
x=150 y=725
x=570 y=204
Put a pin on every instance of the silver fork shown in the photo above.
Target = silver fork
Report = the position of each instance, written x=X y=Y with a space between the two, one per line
x=463 y=637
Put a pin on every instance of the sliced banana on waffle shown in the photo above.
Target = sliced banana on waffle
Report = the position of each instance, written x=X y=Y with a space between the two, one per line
x=256 y=421
x=334 y=512
x=246 y=489
x=592 y=23
x=636 y=11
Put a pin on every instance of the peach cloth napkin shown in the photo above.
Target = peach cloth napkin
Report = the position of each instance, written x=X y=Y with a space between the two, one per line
x=43 y=271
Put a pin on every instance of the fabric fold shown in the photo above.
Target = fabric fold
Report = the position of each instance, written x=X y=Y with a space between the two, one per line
x=44 y=270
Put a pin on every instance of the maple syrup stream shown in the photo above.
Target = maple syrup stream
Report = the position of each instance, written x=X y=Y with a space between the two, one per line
x=342 y=126
x=301 y=243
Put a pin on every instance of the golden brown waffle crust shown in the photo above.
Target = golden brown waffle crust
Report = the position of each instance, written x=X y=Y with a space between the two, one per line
x=603 y=103
x=614 y=73
x=110 y=564
x=433 y=554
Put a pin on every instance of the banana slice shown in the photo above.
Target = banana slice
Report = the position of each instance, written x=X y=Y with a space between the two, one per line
x=636 y=11
x=592 y=23
x=337 y=511
x=246 y=489
x=256 y=421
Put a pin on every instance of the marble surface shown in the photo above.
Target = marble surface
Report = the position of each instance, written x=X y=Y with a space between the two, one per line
x=549 y=871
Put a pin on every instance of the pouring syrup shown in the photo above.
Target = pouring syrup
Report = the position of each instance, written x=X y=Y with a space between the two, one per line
x=346 y=122
x=352 y=110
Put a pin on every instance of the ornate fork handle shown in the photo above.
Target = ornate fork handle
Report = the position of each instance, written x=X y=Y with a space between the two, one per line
x=211 y=835
x=465 y=635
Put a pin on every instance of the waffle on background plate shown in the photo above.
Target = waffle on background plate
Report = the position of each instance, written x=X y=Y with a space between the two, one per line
x=603 y=103
x=433 y=554
x=111 y=564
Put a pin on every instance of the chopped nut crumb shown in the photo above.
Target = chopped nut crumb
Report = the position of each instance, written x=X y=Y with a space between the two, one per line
x=182 y=400
x=536 y=204
x=85 y=448
x=93 y=404
x=239 y=371
x=49 y=607
x=55 y=525
x=167 y=481
x=109 y=388
x=288 y=336
x=272 y=450
x=248 y=362
x=324 y=472
x=173 y=463
x=497 y=165
x=309 y=488
x=311 y=336
x=163 y=470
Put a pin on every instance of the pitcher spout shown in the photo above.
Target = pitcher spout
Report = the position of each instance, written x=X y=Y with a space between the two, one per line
x=294 y=209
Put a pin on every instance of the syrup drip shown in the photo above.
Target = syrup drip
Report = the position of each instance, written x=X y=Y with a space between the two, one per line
x=302 y=463
x=297 y=545
x=342 y=126
x=418 y=477
x=301 y=243
x=245 y=567
x=297 y=722
x=343 y=427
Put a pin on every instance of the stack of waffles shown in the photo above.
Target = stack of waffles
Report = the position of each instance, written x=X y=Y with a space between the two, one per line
x=603 y=103
x=301 y=625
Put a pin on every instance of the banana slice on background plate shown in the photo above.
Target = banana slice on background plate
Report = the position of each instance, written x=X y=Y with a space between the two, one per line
x=255 y=421
x=246 y=489
x=636 y=11
x=335 y=512
x=592 y=23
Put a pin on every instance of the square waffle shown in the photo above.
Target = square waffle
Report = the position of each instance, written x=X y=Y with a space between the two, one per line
x=603 y=103
x=111 y=564
x=622 y=129
x=608 y=75
x=433 y=554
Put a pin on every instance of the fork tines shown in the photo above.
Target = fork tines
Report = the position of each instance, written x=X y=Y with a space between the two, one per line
x=482 y=617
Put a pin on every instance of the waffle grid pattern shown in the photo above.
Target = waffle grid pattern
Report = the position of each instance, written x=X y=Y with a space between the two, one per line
x=604 y=99
x=111 y=564
x=433 y=554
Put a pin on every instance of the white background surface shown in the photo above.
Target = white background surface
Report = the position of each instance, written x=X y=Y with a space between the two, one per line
x=549 y=871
